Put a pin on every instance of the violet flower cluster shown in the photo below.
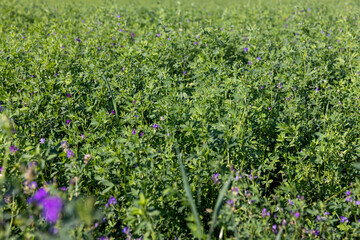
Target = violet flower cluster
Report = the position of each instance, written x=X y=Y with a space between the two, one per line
x=51 y=205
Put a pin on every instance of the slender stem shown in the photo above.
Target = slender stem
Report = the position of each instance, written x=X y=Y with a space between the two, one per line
x=342 y=190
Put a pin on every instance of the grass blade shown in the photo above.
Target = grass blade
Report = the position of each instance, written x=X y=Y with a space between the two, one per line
x=188 y=192
x=218 y=205
x=278 y=237
x=112 y=96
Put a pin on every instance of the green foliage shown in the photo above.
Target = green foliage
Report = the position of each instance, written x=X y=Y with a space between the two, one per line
x=260 y=97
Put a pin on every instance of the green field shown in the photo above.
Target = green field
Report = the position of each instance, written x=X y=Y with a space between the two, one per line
x=179 y=119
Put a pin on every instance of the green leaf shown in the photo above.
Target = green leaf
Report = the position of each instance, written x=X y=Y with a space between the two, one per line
x=219 y=203
x=357 y=165
x=106 y=190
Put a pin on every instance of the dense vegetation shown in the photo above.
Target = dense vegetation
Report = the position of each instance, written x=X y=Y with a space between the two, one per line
x=179 y=120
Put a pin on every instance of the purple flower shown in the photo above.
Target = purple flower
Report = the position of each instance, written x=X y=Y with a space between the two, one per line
x=70 y=153
x=357 y=202
x=269 y=108
x=290 y=202
x=246 y=49
x=265 y=213
x=329 y=47
x=297 y=214
x=32 y=185
x=319 y=218
x=349 y=199
x=195 y=43
x=134 y=131
x=68 y=95
x=142 y=134
x=78 y=40
x=343 y=219
x=112 y=112
x=250 y=63
x=51 y=208
x=63 y=188
x=68 y=121
x=326 y=213
x=158 y=35
x=64 y=144
x=103 y=238
x=230 y=202
x=155 y=126
x=136 y=116
x=348 y=193
x=251 y=177
x=82 y=136
x=111 y=200
x=126 y=231
x=33 y=164
x=274 y=228
x=184 y=73
x=38 y=197
x=215 y=178
x=235 y=190
x=42 y=140
x=258 y=58
x=317 y=90
x=13 y=149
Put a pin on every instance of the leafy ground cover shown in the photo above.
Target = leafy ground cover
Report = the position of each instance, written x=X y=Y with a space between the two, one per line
x=229 y=120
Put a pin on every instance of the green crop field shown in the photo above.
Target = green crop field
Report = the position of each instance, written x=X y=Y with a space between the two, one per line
x=179 y=119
